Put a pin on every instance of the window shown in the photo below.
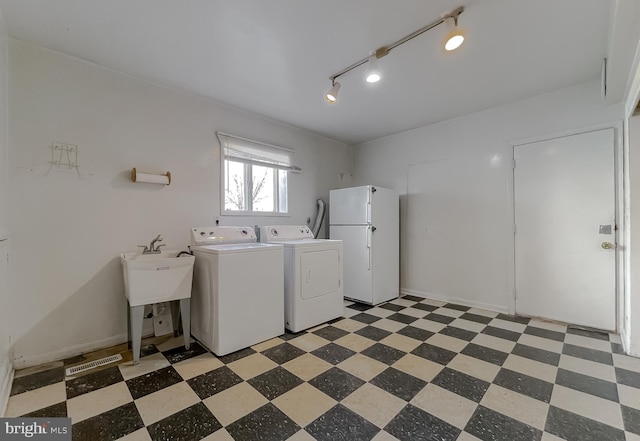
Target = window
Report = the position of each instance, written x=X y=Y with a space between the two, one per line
x=255 y=176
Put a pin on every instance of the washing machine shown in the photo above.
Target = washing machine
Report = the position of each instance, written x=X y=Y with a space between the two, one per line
x=312 y=275
x=238 y=290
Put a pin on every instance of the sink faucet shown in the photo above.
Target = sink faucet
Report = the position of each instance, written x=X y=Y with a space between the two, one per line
x=153 y=248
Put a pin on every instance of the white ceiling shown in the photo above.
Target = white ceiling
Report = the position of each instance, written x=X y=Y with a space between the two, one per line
x=275 y=57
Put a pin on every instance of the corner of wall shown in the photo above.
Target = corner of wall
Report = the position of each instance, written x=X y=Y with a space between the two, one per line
x=6 y=368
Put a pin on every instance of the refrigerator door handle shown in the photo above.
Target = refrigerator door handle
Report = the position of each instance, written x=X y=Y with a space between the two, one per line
x=368 y=212
x=368 y=232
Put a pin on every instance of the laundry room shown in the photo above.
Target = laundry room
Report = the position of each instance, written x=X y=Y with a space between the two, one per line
x=75 y=121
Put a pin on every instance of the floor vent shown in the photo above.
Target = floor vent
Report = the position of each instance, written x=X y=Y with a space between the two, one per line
x=92 y=364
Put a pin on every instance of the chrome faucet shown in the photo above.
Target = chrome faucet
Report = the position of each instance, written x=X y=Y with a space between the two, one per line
x=153 y=248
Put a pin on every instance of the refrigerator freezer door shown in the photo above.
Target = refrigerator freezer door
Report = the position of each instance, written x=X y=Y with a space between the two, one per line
x=350 y=206
x=384 y=208
x=357 y=260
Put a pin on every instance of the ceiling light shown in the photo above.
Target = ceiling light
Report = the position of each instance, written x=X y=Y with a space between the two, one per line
x=332 y=95
x=453 y=41
x=373 y=74
x=455 y=37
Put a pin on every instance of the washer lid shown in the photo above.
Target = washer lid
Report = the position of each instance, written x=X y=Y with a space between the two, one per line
x=228 y=248
x=221 y=235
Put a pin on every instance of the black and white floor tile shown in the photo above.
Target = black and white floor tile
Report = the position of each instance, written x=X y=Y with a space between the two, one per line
x=411 y=369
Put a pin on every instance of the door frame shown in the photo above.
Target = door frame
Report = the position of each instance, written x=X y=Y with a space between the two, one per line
x=620 y=209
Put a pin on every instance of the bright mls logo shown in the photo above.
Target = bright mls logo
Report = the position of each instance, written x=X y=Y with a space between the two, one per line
x=41 y=429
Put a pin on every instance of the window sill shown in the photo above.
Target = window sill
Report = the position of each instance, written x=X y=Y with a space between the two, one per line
x=254 y=214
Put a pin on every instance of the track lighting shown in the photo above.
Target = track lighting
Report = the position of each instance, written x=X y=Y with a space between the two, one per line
x=373 y=75
x=454 y=37
x=332 y=95
x=453 y=41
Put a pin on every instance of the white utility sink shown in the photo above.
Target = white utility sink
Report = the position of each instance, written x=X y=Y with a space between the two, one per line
x=155 y=278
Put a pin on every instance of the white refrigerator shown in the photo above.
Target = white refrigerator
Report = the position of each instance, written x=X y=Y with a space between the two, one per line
x=367 y=220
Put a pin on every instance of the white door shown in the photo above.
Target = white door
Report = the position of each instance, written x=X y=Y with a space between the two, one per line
x=564 y=195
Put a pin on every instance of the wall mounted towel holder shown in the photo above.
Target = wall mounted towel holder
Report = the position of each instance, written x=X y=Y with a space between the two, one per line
x=164 y=179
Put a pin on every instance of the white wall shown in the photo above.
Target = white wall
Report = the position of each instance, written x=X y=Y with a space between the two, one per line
x=632 y=334
x=6 y=369
x=67 y=231
x=455 y=181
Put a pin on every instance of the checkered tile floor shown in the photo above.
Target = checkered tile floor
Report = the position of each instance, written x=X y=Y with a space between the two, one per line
x=411 y=369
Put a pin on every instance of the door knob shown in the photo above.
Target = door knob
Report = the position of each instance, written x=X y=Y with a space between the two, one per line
x=607 y=245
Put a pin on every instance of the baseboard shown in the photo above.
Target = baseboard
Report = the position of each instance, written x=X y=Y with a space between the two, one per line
x=629 y=347
x=459 y=301
x=626 y=347
x=21 y=362
x=6 y=380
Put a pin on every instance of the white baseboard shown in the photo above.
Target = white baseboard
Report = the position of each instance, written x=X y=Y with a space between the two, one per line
x=24 y=361
x=459 y=301
x=628 y=347
x=625 y=341
x=6 y=380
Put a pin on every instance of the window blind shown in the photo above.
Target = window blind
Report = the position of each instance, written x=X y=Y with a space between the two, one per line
x=247 y=151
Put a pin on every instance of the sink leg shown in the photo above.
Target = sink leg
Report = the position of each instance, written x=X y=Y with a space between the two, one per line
x=185 y=313
x=137 y=315
x=128 y=325
x=175 y=317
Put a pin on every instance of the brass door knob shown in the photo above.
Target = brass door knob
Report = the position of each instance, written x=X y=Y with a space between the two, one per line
x=607 y=245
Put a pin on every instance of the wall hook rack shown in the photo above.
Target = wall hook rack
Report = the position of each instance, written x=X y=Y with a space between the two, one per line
x=64 y=156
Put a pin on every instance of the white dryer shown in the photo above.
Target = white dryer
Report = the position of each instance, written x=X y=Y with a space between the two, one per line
x=312 y=275
x=238 y=293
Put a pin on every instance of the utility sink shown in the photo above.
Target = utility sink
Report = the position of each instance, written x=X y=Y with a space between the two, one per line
x=155 y=278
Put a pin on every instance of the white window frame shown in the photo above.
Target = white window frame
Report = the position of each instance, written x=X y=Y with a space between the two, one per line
x=252 y=153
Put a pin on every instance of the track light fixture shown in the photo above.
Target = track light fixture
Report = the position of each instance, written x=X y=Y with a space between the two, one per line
x=453 y=41
x=454 y=37
x=332 y=95
x=373 y=75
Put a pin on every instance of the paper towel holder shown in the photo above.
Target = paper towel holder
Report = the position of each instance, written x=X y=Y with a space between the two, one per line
x=164 y=179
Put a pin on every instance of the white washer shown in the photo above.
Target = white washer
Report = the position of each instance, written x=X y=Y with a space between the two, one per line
x=312 y=275
x=238 y=293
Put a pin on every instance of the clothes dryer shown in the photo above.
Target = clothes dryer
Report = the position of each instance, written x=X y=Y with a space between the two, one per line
x=312 y=275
